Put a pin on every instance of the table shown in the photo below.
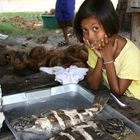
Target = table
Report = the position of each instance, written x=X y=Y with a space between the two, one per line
x=132 y=112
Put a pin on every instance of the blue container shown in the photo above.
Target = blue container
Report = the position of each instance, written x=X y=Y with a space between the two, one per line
x=49 y=21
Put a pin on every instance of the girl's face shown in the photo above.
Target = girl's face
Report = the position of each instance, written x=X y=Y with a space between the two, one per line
x=93 y=31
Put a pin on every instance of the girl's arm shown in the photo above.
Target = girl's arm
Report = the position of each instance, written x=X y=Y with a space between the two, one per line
x=117 y=86
x=94 y=76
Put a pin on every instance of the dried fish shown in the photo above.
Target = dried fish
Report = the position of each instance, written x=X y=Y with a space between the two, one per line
x=110 y=129
x=83 y=131
x=56 y=121
x=115 y=127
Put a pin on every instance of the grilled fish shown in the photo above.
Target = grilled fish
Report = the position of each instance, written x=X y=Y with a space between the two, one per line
x=55 y=121
x=110 y=129
x=84 y=131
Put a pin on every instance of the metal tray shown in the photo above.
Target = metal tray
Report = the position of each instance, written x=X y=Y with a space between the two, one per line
x=60 y=97
x=39 y=101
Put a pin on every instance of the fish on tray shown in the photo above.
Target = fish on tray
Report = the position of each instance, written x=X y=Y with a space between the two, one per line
x=110 y=129
x=52 y=123
x=84 y=131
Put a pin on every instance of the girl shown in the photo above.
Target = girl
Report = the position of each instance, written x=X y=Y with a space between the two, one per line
x=110 y=56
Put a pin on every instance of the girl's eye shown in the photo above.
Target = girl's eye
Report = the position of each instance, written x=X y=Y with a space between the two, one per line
x=84 y=30
x=95 y=29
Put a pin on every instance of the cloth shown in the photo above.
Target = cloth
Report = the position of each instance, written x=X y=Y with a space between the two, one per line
x=127 y=66
x=73 y=74
x=3 y=37
x=64 y=10
x=2 y=117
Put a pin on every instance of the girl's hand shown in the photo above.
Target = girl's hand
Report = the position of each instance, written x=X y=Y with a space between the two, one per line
x=95 y=48
x=107 y=49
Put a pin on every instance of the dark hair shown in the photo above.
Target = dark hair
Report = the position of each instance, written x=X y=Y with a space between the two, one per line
x=105 y=13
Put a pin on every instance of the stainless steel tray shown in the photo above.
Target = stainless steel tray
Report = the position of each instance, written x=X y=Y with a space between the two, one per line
x=39 y=101
x=60 y=97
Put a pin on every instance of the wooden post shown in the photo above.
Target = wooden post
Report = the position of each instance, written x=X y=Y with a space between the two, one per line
x=135 y=29
x=133 y=7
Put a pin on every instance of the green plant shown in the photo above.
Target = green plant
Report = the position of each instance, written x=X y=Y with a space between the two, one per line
x=9 y=29
x=20 y=23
